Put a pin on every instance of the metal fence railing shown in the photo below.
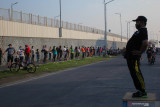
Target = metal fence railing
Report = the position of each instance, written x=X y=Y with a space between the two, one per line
x=7 y=14
x=26 y=18
x=16 y=16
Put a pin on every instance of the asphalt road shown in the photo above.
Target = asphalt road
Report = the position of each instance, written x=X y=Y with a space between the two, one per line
x=97 y=85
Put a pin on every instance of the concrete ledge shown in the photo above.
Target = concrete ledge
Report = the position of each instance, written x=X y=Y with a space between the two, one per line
x=150 y=101
x=128 y=97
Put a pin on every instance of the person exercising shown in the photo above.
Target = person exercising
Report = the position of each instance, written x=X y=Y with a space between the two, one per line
x=134 y=49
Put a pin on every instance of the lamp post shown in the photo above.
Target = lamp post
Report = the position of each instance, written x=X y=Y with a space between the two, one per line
x=128 y=29
x=60 y=28
x=157 y=40
x=120 y=23
x=12 y=9
x=105 y=20
x=13 y=5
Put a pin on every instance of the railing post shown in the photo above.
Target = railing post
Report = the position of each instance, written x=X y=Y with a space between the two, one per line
x=21 y=17
x=29 y=21
x=75 y=27
x=54 y=24
x=46 y=21
x=81 y=28
x=10 y=14
x=58 y=23
x=78 y=27
x=67 y=25
x=84 y=28
x=70 y=26
x=51 y=22
x=38 y=20
x=30 y=18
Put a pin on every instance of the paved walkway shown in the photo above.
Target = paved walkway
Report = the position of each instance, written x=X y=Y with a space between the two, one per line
x=98 y=85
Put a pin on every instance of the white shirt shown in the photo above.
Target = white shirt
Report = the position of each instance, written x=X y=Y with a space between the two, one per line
x=21 y=52
x=64 y=49
x=32 y=51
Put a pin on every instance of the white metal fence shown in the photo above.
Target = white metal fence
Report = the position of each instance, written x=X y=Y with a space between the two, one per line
x=7 y=14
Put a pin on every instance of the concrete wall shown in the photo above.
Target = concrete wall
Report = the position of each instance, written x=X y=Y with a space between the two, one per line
x=16 y=29
x=20 y=34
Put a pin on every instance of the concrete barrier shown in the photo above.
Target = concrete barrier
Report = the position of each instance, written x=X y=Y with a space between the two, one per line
x=150 y=101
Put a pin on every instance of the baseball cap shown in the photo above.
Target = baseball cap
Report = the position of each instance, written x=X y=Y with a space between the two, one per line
x=141 y=18
x=10 y=45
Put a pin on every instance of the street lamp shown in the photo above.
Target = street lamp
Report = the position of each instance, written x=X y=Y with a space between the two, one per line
x=60 y=28
x=13 y=5
x=120 y=23
x=105 y=20
x=128 y=27
x=157 y=40
x=12 y=9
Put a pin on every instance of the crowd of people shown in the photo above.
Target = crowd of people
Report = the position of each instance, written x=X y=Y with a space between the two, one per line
x=54 y=53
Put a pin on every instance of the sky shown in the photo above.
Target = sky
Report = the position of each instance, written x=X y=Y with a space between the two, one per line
x=91 y=13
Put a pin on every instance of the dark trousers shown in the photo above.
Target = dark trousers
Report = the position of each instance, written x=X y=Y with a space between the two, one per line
x=87 y=54
x=50 y=56
x=0 y=60
x=134 y=67
x=37 y=58
x=65 y=56
x=32 y=59
x=76 y=54
x=72 y=55
x=54 y=57
x=45 y=58
x=83 y=54
x=21 y=60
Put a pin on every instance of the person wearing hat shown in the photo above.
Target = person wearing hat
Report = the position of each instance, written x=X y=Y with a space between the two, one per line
x=0 y=56
x=134 y=49
x=11 y=52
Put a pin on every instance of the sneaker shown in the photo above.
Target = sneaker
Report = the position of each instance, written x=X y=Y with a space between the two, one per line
x=139 y=94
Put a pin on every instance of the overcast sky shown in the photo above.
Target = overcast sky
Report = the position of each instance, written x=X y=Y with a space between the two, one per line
x=91 y=12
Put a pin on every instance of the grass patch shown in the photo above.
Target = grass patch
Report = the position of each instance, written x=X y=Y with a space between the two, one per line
x=54 y=66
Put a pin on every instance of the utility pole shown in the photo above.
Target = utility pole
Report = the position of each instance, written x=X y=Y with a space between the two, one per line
x=120 y=23
x=105 y=20
x=12 y=10
x=60 y=28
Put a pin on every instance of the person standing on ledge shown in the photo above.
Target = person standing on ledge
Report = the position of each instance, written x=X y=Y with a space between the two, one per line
x=134 y=49
x=0 y=56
